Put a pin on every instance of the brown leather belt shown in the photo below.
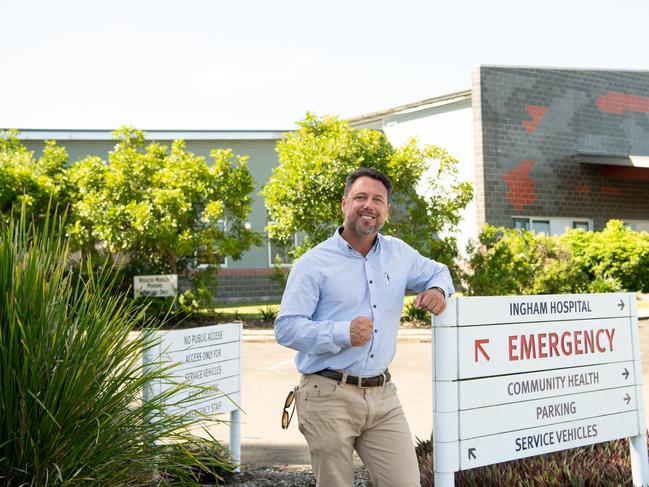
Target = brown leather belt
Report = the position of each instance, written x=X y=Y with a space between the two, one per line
x=376 y=381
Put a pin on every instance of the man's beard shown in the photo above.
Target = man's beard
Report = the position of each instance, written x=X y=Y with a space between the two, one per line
x=360 y=229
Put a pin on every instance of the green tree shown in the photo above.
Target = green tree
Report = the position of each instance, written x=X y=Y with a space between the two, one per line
x=305 y=189
x=39 y=184
x=162 y=206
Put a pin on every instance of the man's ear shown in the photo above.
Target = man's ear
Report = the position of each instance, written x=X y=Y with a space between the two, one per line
x=342 y=204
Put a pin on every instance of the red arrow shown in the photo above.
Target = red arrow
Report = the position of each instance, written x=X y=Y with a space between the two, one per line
x=478 y=346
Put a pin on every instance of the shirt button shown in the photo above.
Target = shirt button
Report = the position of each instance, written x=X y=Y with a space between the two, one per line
x=371 y=282
x=376 y=331
x=374 y=305
x=372 y=356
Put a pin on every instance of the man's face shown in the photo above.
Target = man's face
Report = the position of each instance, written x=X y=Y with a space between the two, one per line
x=366 y=206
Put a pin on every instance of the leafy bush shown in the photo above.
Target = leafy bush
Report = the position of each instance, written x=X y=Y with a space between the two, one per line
x=616 y=254
x=603 y=464
x=269 y=313
x=411 y=313
x=71 y=372
x=506 y=261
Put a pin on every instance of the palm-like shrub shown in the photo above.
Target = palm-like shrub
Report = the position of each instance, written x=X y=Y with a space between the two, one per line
x=72 y=377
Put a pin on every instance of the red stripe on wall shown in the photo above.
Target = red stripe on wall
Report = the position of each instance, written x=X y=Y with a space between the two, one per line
x=521 y=186
x=536 y=113
x=617 y=102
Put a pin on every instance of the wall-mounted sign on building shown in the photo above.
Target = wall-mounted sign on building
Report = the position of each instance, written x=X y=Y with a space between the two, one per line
x=517 y=376
x=160 y=286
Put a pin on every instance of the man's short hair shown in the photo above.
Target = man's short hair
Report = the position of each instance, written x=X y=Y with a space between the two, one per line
x=371 y=173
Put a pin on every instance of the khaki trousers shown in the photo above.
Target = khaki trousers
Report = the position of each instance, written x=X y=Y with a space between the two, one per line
x=338 y=419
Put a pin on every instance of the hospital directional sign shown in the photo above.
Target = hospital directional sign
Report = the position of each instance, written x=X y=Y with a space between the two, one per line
x=496 y=350
x=517 y=376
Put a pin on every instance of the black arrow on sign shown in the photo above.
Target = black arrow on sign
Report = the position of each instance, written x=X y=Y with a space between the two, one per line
x=621 y=305
x=472 y=453
x=627 y=398
x=625 y=373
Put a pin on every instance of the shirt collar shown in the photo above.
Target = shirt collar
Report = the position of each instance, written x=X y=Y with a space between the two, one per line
x=348 y=249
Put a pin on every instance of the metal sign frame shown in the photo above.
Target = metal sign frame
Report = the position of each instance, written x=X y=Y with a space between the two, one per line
x=519 y=376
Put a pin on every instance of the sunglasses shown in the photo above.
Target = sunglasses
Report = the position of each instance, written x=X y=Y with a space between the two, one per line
x=286 y=418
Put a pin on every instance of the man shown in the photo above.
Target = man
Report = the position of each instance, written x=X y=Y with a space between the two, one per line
x=341 y=311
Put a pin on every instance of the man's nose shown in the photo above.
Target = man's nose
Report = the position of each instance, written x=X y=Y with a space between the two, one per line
x=369 y=204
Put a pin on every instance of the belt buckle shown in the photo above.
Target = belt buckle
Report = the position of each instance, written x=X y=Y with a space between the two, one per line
x=381 y=383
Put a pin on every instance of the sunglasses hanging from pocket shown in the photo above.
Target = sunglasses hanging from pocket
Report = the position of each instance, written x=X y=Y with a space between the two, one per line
x=290 y=400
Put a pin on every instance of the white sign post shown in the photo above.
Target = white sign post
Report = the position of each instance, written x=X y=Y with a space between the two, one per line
x=208 y=357
x=517 y=376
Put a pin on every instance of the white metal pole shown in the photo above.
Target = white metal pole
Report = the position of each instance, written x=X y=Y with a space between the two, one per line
x=235 y=438
x=639 y=465
x=235 y=416
x=445 y=396
x=638 y=444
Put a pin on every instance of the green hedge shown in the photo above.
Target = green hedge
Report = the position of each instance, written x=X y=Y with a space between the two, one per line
x=506 y=261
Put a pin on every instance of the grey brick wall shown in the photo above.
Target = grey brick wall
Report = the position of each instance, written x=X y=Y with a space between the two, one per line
x=246 y=285
x=530 y=123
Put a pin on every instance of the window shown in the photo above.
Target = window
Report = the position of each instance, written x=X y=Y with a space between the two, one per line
x=581 y=224
x=275 y=250
x=521 y=223
x=541 y=226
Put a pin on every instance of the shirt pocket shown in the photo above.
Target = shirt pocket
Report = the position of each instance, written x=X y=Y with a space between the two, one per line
x=393 y=292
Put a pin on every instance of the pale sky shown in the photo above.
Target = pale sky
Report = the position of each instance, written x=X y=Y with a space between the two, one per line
x=262 y=64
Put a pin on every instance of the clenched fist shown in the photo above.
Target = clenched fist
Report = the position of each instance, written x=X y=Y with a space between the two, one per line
x=360 y=330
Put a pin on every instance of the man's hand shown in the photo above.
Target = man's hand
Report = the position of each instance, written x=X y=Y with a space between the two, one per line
x=432 y=300
x=360 y=331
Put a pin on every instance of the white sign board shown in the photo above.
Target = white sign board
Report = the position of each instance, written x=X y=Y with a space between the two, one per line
x=516 y=376
x=503 y=447
x=208 y=358
x=161 y=286
x=485 y=351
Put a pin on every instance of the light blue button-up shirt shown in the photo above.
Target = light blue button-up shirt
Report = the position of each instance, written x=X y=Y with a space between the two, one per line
x=332 y=284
